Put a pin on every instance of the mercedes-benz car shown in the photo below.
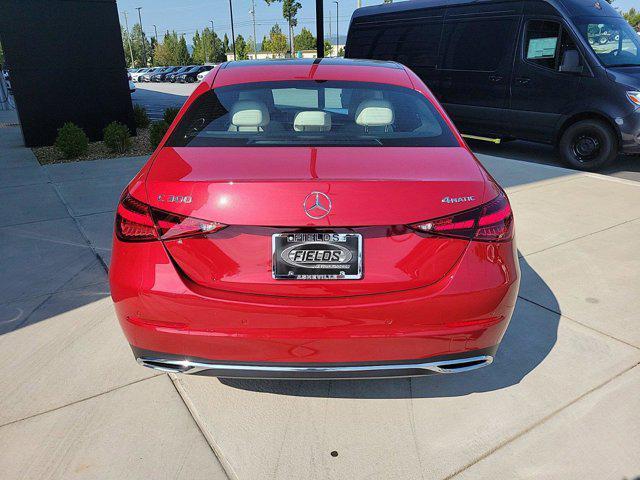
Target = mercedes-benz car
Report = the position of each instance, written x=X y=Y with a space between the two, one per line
x=313 y=219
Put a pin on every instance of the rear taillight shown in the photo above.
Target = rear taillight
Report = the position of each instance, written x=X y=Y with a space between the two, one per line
x=491 y=222
x=133 y=220
x=137 y=222
x=171 y=225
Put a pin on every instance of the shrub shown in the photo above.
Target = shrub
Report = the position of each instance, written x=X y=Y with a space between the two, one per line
x=71 y=140
x=117 y=137
x=157 y=131
x=169 y=114
x=140 y=116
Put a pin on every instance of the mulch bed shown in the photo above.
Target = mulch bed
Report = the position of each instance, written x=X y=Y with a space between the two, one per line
x=140 y=145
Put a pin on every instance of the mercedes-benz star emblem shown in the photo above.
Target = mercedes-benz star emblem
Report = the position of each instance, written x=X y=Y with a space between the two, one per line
x=317 y=205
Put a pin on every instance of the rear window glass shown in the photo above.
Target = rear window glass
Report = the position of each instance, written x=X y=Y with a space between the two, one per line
x=299 y=113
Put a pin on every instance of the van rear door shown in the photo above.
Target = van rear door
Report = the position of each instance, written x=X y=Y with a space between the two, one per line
x=476 y=62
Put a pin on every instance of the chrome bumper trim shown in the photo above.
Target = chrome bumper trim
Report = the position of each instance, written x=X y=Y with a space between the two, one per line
x=315 y=372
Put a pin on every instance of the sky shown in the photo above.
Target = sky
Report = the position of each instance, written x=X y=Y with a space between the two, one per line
x=185 y=16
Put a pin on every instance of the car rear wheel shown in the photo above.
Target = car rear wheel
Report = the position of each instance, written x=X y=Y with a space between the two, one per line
x=588 y=145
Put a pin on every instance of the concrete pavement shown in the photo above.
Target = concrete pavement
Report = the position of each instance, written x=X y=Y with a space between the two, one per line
x=560 y=401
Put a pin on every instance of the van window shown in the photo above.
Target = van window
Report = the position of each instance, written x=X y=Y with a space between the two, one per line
x=541 y=42
x=546 y=42
x=613 y=40
x=410 y=43
x=478 y=45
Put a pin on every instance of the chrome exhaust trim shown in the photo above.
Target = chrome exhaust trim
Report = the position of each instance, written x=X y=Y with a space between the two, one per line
x=315 y=372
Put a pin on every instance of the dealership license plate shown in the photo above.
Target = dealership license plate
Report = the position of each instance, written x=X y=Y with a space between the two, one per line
x=317 y=256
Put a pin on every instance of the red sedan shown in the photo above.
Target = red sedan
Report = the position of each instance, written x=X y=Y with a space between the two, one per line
x=313 y=219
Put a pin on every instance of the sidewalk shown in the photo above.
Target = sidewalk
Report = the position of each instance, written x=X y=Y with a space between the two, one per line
x=560 y=401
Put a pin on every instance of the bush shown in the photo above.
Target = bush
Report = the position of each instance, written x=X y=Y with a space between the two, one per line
x=117 y=137
x=169 y=114
x=71 y=140
x=140 y=116
x=157 y=131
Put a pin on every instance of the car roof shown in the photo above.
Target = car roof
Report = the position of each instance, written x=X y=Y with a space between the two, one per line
x=249 y=71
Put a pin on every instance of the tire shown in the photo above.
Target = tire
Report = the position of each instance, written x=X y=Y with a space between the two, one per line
x=588 y=145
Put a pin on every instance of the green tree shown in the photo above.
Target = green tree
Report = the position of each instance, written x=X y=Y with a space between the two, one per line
x=166 y=53
x=327 y=48
x=264 y=46
x=304 y=40
x=242 y=49
x=199 y=49
x=277 y=42
x=225 y=44
x=1 y=55
x=138 y=39
x=633 y=17
x=289 y=11
x=183 y=57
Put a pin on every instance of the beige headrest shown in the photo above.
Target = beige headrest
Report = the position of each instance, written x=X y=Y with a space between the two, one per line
x=312 y=121
x=374 y=113
x=249 y=113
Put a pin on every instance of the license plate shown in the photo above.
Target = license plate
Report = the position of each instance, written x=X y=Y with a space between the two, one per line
x=317 y=256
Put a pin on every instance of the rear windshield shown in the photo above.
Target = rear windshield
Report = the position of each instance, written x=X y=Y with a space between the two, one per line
x=308 y=113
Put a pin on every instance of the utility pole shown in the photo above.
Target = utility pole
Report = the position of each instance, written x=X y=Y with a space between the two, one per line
x=329 y=23
x=233 y=35
x=255 y=40
x=153 y=54
x=156 y=30
x=337 y=26
x=290 y=36
x=213 y=41
x=144 y=47
x=126 y=25
x=359 y=3
x=319 y=29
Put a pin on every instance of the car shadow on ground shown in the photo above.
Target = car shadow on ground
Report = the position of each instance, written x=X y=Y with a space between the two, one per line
x=530 y=337
x=625 y=166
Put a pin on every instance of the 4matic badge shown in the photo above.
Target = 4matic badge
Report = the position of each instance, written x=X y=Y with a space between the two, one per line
x=458 y=199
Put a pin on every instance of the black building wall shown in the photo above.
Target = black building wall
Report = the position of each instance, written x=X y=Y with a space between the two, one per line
x=66 y=64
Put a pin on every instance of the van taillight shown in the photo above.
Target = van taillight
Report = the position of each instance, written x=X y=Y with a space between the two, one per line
x=138 y=222
x=491 y=222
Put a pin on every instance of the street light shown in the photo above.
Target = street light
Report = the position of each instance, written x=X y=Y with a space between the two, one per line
x=233 y=35
x=337 y=36
x=126 y=24
x=213 y=41
x=144 y=47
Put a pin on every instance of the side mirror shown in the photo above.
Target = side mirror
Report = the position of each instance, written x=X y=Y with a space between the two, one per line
x=571 y=62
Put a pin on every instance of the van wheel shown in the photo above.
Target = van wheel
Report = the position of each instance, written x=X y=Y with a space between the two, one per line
x=588 y=145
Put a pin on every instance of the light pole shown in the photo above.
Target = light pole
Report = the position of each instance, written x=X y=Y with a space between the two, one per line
x=319 y=29
x=253 y=14
x=337 y=36
x=213 y=41
x=233 y=35
x=153 y=53
x=126 y=25
x=144 y=47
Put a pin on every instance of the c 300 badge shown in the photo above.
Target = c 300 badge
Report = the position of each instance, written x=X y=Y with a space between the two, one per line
x=175 y=198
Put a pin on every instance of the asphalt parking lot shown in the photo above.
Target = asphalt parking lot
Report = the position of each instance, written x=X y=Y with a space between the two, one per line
x=559 y=402
x=155 y=97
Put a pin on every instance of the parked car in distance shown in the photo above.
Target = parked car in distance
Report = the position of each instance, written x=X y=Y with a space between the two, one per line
x=205 y=72
x=171 y=77
x=190 y=75
x=563 y=72
x=135 y=76
x=132 y=86
x=313 y=227
x=146 y=77
x=161 y=75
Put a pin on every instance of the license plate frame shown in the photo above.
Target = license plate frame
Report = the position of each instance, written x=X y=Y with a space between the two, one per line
x=290 y=269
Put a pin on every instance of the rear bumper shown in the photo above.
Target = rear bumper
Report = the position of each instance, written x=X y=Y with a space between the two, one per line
x=459 y=363
x=160 y=310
